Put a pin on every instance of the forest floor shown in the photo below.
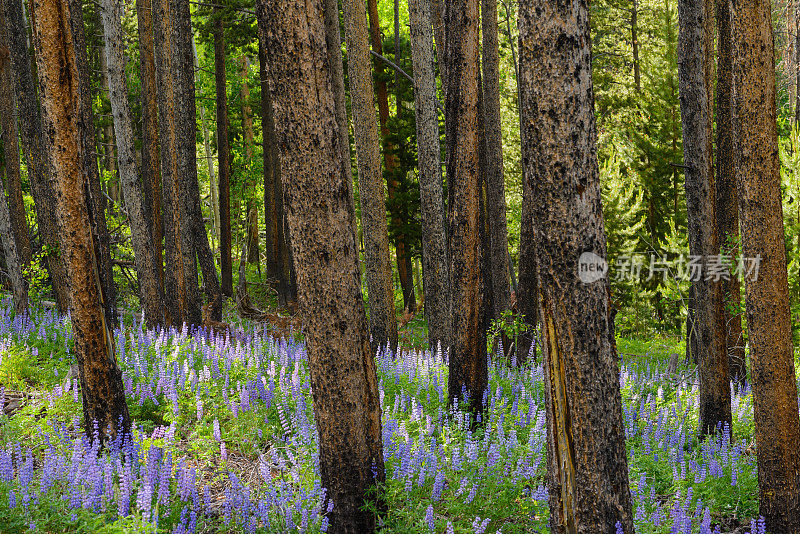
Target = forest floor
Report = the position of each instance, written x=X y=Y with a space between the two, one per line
x=225 y=441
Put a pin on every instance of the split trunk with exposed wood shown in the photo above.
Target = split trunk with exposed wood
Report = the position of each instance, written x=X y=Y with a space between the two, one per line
x=586 y=456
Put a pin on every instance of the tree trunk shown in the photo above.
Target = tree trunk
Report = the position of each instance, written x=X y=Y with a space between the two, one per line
x=527 y=294
x=34 y=149
x=436 y=285
x=175 y=294
x=727 y=202
x=223 y=153
x=319 y=211
x=279 y=261
x=796 y=8
x=95 y=199
x=151 y=166
x=11 y=254
x=194 y=234
x=587 y=463
x=333 y=42
x=8 y=123
x=694 y=76
x=101 y=379
x=495 y=185
x=468 y=369
x=777 y=429
x=132 y=190
x=382 y=320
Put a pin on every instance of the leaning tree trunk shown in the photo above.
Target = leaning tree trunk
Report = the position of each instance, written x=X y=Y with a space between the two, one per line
x=175 y=294
x=727 y=223
x=101 y=379
x=493 y=139
x=8 y=123
x=151 y=166
x=95 y=199
x=435 y=279
x=132 y=190
x=586 y=459
x=772 y=370
x=382 y=320
x=194 y=233
x=468 y=366
x=319 y=211
x=694 y=69
x=34 y=148
x=19 y=288
x=223 y=153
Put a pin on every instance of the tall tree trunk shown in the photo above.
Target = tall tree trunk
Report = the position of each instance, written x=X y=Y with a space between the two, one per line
x=495 y=185
x=527 y=293
x=132 y=189
x=319 y=211
x=382 y=320
x=586 y=458
x=223 y=153
x=195 y=235
x=175 y=294
x=777 y=429
x=468 y=366
x=151 y=165
x=436 y=284
x=279 y=261
x=8 y=123
x=34 y=148
x=727 y=202
x=11 y=254
x=333 y=43
x=253 y=255
x=101 y=379
x=694 y=77
x=796 y=9
x=95 y=199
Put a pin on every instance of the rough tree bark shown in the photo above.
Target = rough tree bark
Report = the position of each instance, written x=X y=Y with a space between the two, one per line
x=319 y=211
x=587 y=463
x=694 y=72
x=8 y=123
x=175 y=294
x=194 y=233
x=435 y=279
x=468 y=365
x=777 y=429
x=132 y=190
x=527 y=288
x=382 y=320
x=34 y=148
x=151 y=165
x=95 y=199
x=11 y=254
x=101 y=379
x=333 y=42
x=727 y=222
x=493 y=139
x=223 y=152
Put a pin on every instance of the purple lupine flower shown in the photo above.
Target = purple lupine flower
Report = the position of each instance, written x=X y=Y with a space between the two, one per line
x=429 y=519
